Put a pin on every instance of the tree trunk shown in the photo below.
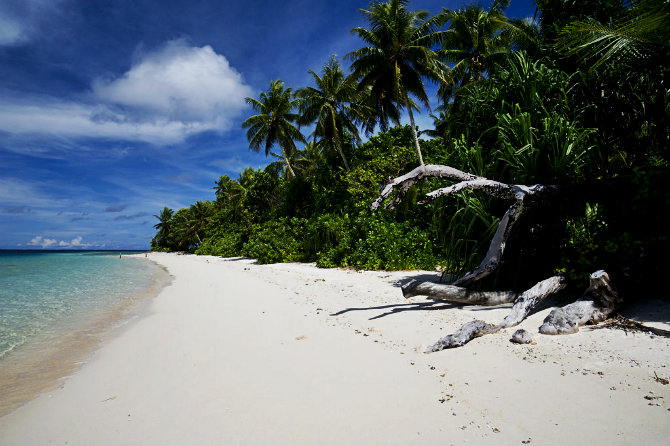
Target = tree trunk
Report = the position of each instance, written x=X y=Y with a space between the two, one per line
x=416 y=138
x=523 y=196
x=458 y=294
x=288 y=165
x=344 y=159
x=597 y=303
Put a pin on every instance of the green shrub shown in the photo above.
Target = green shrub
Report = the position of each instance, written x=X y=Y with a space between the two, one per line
x=224 y=244
x=386 y=244
x=328 y=240
x=275 y=241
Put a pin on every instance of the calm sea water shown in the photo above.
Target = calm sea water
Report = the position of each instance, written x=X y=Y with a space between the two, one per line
x=55 y=306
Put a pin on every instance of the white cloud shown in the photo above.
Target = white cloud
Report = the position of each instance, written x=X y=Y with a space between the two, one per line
x=179 y=82
x=170 y=94
x=49 y=242
x=76 y=120
x=42 y=242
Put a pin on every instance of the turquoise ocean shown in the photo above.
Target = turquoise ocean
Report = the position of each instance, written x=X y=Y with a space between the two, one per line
x=57 y=306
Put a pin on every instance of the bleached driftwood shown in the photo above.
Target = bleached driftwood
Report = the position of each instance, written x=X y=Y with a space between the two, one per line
x=458 y=294
x=523 y=305
x=598 y=302
x=523 y=196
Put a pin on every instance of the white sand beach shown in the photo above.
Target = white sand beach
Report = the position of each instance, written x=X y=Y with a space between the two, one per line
x=232 y=352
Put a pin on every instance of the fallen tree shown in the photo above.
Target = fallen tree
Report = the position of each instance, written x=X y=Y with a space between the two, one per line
x=599 y=300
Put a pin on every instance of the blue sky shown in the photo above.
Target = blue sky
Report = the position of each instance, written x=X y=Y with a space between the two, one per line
x=112 y=109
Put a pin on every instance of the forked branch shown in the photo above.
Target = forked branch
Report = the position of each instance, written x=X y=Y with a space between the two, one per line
x=523 y=196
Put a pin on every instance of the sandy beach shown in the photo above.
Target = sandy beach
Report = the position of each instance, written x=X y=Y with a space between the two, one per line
x=232 y=352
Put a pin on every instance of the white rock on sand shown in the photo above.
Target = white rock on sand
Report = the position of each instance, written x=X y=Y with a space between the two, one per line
x=237 y=353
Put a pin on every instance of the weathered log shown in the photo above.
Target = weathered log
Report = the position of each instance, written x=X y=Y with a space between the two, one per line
x=531 y=297
x=599 y=300
x=465 y=334
x=597 y=303
x=403 y=183
x=452 y=293
x=522 y=307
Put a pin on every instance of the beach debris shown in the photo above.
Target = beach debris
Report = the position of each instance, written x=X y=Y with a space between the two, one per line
x=658 y=379
x=629 y=325
x=599 y=300
x=521 y=336
x=445 y=398
x=523 y=304
x=597 y=303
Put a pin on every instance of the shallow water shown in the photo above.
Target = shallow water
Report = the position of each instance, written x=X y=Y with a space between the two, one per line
x=56 y=306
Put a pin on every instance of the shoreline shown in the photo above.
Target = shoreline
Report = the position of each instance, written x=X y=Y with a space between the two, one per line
x=235 y=352
x=51 y=357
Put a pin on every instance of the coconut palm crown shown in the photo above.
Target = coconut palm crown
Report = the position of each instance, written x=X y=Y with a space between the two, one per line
x=333 y=104
x=398 y=58
x=274 y=122
x=477 y=41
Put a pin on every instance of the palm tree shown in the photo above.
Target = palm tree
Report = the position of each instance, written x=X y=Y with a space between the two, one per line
x=163 y=226
x=397 y=59
x=332 y=104
x=189 y=222
x=274 y=121
x=229 y=194
x=477 y=41
x=199 y=215
x=310 y=160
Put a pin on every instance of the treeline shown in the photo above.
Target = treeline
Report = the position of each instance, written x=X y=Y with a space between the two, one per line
x=580 y=97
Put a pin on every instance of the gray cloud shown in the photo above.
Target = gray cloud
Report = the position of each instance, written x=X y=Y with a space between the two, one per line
x=130 y=217
x=18 y=210
x=115 y=208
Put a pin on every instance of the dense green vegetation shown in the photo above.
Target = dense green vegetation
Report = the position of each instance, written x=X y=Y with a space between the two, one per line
x=581 y=98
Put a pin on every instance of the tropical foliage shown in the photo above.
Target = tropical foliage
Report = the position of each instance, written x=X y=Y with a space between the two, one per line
x=579 y=98
x=398 y=57
x=333 y=105
x=274 y=122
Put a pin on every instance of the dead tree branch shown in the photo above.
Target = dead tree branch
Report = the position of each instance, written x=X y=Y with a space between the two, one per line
x=522 y=196
x=452 y=293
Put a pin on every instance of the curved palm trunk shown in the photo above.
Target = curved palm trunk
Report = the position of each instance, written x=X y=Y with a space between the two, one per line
x=416 y=138
x=344 y=159
x=338 y=140
x=288 y=165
